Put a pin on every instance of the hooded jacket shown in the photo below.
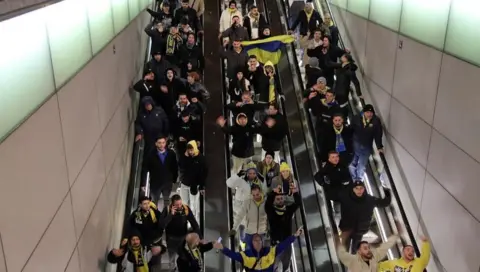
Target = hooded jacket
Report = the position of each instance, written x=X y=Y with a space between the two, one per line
x=268 y=94
x=355 y=263
x=194 y=168
x=263 y=261
x=268 y=171
x=247 y=108
x=159 y=68
x=148 y=224
x=236 y=60
x=285 y=184
x=272 y=138
x=151 y=124
x=226 y=18
x=243 y=186
x=242 y=138
x=254 y=215
x=308 y=22
x=417 y=265
x=192 y=54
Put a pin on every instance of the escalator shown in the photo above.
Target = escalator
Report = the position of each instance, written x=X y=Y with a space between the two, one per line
x=377 y=174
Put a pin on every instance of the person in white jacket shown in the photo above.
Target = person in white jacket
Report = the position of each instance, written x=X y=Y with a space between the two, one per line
x=226 y=19
x=242 y=184
x=255 y=216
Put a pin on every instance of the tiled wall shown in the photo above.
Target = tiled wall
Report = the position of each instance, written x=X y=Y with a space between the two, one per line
x=65 y=171
x=429 y=103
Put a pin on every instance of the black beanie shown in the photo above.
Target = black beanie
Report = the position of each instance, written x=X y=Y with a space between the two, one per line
x=358 y=183
x=269 y=152
x=193 y=190
x=368 y=107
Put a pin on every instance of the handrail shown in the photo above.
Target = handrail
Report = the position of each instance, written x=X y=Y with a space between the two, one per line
x=382 y=163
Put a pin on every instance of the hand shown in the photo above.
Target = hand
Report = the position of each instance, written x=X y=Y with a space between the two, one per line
x=290 y=32
x=241 y=173
x=164 y=89
x=281 y=97
x=144 y=189
x=312 y=95
x=186 y=154
x=156 y=250
x=124 y=242
x=424 y=239
x=221 y=121
x=220 y=36
x=194 y=100
x=146 y=77
x=198 y=143
x=380 y=150
x=294 y=190
x=218 y=246
x=202 y=192
x=232 y=232
x=238 y=104
x=277 y=190
x=299 y=232
x=138 y=137
x=225 y=42
x=347 y=50
x=181 y=139
x=173 y=210
x=200 y=32
x=117 y=252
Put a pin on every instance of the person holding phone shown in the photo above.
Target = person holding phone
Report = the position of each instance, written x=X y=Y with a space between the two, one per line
x=190 y=252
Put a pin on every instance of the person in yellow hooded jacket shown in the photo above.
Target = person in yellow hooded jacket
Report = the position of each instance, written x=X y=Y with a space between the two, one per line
x=269 y=95
x=408 y=262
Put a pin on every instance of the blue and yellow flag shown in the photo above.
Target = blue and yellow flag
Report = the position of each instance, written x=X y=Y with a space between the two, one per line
x=267 y=49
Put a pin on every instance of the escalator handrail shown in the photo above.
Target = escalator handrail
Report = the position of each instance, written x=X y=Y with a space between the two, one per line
x=383 y=161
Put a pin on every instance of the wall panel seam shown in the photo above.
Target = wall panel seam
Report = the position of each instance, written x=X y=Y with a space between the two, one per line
x=3 y=253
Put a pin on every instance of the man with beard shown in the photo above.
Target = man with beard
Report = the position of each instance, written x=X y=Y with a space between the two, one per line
x=190 y=52
x=170 y=89
x=236 y=32
x=366 y=259
x=190 y=253
x=185 y=11
x=254 y=22
x=408 y=262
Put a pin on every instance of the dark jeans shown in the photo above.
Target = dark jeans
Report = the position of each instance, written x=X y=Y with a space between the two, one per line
x=173 y=243
x=164 y=190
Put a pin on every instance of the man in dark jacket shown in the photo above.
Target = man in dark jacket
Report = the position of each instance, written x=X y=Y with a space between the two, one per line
x=146 y=220
x=338 y=137
x=242 y=139
x=151 y=122
x=325 y=54
x=236 y=58
x=157 y=31
x=158 y=65
x=357 y=210
x=162 y=165
x=190 y=52
x=177 y=215
x=164 y=16
x=247 y=106
x=323 y=109
x=190 y=253
x=256 y=75
x=187 y=130
x=308 y=19
x=367 y=128
x=146 y=86
x=334 y=176
x=185 y=11
x=255 y=23
x=170 y=89
x=236 y=32
x=273 y=131
x=280 y=220
x=194 y=174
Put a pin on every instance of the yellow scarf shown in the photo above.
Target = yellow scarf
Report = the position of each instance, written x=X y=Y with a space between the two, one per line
x=271 y=91
x=170 y=44
x=152 y=214
x=141 y=264
x=309 y=14
x=338 y=131
x=365 y=122
x=232 y=10
x=196 y=255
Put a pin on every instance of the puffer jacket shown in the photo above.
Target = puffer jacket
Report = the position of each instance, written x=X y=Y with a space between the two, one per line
x=255 y=217
x=355 y=263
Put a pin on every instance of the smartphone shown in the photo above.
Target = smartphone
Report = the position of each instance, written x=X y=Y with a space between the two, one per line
x=219 y=240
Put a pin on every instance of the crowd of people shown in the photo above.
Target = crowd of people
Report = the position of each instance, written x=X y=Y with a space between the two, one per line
x=173 y=101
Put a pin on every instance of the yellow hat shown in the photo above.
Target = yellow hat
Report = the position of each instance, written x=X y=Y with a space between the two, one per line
x=284 y=167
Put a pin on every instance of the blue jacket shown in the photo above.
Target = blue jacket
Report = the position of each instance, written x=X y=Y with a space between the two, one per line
x=266 y=257
x=151 y=123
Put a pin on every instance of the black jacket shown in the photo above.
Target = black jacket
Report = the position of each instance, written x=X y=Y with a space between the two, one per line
x=272 y=138
x=258 y=80
x=147 y=88
x=236 y=61
x=158 y=68
x=194 y=170
x=161 y=173
x=191 y=16
x=365 y=135
x=345 y=75
x=186 y=262
x=262 y=24
x=236 y=88
x=191 y=130
x=322 y=110
x=280 y=223
x=305 y=24
x=333 y=176
x=242 y=139
x=357 y=212
x=151 y=124
x=330 y=139
x=312 y=73
x=175 y=87
x=192 y=54
x=236 y=33
x=150 y=230
x=247 y=109
x=333 y=53
x=177 y=225
x=161 y=17
x=158 y=38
